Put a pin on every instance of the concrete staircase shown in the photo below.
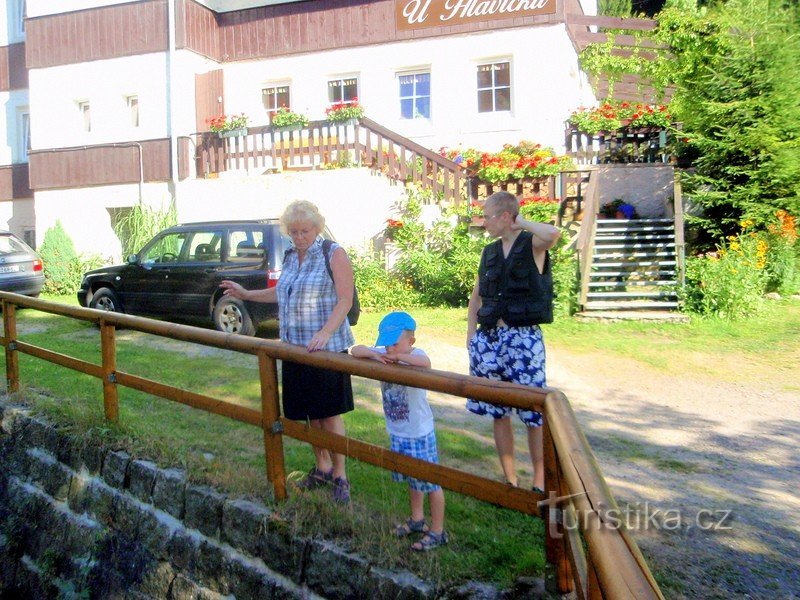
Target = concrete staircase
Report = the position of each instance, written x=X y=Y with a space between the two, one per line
x=634 y=268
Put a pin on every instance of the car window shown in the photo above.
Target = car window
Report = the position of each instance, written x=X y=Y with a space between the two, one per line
x=10 y=244
x=166 y=249
x=246 y=245
x=205 y=246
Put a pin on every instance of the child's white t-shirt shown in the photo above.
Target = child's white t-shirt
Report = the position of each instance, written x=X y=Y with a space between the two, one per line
x=406 y=409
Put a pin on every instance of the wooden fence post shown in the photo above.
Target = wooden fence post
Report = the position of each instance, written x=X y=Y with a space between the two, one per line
x=108 y=351
x=12 y=358
x=270 y=423
x=556 y=549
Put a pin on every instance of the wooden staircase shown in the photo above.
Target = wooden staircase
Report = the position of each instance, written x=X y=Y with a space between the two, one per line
x=633 y=266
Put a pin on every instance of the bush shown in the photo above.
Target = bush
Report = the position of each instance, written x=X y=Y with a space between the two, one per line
x=441 y=262
x=60 y=260
x=782 y=258
x=137 y=225
x=729 y=282
x=380 y=289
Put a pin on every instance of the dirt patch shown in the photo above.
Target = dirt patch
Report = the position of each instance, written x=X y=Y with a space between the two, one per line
x=705 y=471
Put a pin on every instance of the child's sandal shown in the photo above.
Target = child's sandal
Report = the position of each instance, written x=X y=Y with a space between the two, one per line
x=409 y=527
x=430 y=541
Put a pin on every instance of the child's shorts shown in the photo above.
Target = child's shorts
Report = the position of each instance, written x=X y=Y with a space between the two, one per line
x=423 y=448
x=514 y=354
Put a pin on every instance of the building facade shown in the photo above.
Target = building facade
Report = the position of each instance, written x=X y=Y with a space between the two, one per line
x=104 y=98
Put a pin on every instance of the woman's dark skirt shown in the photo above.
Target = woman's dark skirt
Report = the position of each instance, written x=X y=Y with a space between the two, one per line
x=314 y=393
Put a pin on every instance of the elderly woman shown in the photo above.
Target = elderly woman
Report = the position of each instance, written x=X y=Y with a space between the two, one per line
x=312 y=310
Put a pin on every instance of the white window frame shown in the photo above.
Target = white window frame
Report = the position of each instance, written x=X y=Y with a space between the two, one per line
x=276 y=85
x=18 y=14
x=23 y=133
x=341 y=80
x=134 y=116
x=494 y=87
x=414 y=96
x=84 y=115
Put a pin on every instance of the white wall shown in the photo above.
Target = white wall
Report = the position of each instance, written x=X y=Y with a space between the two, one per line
x=56 y=91
x=37 y=8
x=354 y=202
x=17 y=216
x=11 y=142
x=85 y=217
x=546 y=85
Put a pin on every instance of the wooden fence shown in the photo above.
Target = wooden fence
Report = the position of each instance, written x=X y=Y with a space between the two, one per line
x=323 y=144
x=611 y=566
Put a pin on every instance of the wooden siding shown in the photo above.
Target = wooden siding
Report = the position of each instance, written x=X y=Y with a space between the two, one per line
x=99 y=165
x=14 y=182
x=96 y=34
x=13 y=74
x=302 y=27
x=208 y=97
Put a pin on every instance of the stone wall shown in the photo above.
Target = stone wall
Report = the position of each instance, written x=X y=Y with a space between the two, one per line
x=83 y=521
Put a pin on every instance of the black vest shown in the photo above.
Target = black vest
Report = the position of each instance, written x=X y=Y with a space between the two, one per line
x=512 y=288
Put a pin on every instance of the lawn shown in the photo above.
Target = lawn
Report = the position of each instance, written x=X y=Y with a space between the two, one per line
x=487 y=542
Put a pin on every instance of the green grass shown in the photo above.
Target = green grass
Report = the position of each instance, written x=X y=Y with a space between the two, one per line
x=487 y=542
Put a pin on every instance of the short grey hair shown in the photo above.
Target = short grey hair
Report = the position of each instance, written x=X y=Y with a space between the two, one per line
x=301 y=210
x=504 y=202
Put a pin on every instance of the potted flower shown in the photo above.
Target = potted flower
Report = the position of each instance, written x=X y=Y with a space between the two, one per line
x=526 y=160
x=612 y=115
x=287 y=120
x=229 y=125
x=392 y=227
x=345 y=113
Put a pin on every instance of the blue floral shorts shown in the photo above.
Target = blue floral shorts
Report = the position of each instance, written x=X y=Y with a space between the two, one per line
x=514 y=354
x=423 y=448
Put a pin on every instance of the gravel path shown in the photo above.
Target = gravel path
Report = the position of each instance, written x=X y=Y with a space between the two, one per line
x=706 y=471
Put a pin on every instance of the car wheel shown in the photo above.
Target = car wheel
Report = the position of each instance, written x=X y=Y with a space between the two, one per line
x=105 y=299
x=231 y=316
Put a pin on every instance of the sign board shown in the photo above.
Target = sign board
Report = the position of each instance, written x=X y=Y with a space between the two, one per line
x=416 y=14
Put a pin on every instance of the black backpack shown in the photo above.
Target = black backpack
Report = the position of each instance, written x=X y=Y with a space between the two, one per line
x=355 y=309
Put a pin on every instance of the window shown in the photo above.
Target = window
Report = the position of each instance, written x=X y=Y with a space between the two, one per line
x=85 y=115
x=132 y=102
x=20 y=10
x=415 y=96
x=274 y=98
x=29 y=236
x=246 y=245
x=24 y=134
x=343 y=91
x=494 y=87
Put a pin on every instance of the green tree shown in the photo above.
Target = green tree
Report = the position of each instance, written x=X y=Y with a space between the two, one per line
x=60 y=260
x=732 y=71
x=614 y=8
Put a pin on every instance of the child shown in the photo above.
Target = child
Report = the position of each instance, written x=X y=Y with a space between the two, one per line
x=409 y=421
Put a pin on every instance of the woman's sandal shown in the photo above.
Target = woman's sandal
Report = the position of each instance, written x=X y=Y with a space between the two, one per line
x=430 y=541
x=409 y=527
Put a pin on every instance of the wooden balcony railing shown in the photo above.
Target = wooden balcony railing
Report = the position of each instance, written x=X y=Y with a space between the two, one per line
x=578 y=508
x=633 y=145
x=362 y=142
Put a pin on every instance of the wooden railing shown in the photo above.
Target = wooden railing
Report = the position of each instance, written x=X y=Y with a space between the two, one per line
x=584 y=243
x=321 y=143
x=626 y=145
x=578 y=508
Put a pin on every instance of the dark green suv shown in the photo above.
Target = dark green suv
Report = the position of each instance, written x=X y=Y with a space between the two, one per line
x=177 y=274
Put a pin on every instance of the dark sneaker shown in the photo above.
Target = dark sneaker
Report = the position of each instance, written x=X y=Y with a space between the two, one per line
x=315 y=479
x=341 y=490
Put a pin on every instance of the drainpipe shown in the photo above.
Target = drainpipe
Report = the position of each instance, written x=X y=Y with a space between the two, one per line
x=173 y=139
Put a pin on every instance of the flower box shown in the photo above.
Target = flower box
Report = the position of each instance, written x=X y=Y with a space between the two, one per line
x=346 y=123
x=229 y=133
x=283 y=128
